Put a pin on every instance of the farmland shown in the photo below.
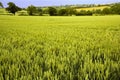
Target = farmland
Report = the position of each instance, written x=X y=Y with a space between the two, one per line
x=4 y=12
x=93 y=8
x=59 y=48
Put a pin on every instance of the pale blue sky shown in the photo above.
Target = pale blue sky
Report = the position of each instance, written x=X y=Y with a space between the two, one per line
x=25 y=3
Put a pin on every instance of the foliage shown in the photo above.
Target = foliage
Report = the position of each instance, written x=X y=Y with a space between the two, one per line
x=12 y=8
x=103 y=10
x=62 y=12
x=116 y=8
x=52 y=11
x=97 y=11
x=84 y=13
x=70 y=11
x=39 y=11
x=31 y=10
x=60 y=48
x=1 y=5
x=45 y=10
x=106 y=11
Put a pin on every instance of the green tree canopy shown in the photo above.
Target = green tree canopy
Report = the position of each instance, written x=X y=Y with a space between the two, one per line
x=70 y=11
x=39 y=11
x=12 y=8
x=62 y=12
x=31 y=10
x=52 y=11
x=97 y=11
x=106 y=11
x=1 y=5
x=116 y=8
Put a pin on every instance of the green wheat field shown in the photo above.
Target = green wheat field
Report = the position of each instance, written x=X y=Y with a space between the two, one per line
x=59 y=48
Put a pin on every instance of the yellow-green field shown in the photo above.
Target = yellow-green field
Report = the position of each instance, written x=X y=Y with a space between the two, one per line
x=92 y=8
x=4 y=12
x=59 y=48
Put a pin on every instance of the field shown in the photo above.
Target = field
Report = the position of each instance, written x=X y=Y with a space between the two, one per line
x=4 y=12
x=59 y=48
x=92 y=8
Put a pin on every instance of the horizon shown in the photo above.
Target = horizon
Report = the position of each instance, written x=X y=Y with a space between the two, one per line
x=24 y=4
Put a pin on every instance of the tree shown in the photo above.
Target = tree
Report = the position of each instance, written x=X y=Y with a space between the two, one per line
x=97 y=11
x=82 y=13
x=62 y=12
x=106 y=11
x=52 y=11
x=70 y=11
x=89 y=13
x=39 y=11
x=1 y=5
x=31 y=10
x=45 y=11
x=115 y=8
x=12 y=8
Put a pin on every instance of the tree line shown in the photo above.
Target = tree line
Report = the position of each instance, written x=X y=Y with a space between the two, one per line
x=65 y=11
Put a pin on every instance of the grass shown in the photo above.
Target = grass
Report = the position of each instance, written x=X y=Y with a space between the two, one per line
x=4 y=12
x=59 y=48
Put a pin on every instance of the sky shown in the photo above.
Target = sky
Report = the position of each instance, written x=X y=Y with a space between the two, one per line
x=25 y=3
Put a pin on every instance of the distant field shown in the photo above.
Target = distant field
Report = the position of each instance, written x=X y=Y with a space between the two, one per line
x=92 y=8
x=4 y=12
x=23 y=12
x=59 y=48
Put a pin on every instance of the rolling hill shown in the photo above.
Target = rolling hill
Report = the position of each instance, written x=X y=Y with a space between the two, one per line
x=92 y=8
